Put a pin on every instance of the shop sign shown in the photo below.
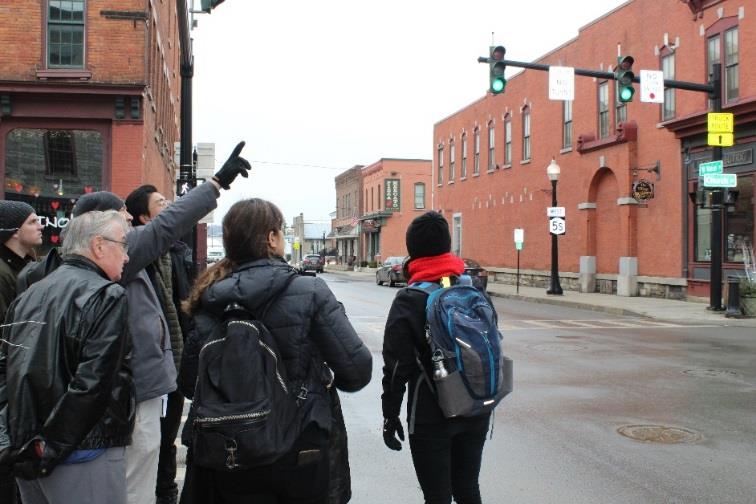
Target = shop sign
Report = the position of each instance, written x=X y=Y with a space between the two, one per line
x=370 y=225
x=392 y=194
x=643 y=190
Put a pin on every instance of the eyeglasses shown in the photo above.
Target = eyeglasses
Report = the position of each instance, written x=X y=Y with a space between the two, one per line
x=124 y=245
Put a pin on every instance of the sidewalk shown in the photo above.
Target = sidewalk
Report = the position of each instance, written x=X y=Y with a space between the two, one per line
x=662 y=309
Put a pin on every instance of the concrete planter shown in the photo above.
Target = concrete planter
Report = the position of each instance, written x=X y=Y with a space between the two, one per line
x=748 y=305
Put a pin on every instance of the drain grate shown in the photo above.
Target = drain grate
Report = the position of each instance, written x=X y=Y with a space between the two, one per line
x=659 y=434
x=710 y=373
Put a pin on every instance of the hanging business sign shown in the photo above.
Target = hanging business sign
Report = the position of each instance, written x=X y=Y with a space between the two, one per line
x=391 y=191
x=643 y=190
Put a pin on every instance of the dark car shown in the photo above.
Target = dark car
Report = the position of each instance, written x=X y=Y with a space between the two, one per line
x=477 y=273
x=390 y=272
x=312 y=262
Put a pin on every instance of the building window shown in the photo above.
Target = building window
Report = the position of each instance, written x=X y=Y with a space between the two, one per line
x=457 y=234
x=508 y=140
x=668 y=69
x=620 y=109
x=567 y=124
x=731 y=64
x=452 y=158
x=476 y=154
x=463 y=167
x=724 y=34
x=440 y=161
x=419 y=196
x=526 y=133
x=491 y=146
x=739 y=222
x=60 y=153
x=603 y=109
x=65 y=34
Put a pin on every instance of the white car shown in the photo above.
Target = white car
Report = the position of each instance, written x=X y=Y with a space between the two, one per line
x=215 y=255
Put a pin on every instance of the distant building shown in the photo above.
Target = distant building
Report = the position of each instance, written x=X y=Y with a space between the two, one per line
x=310 y=237
x=345 y=223
x=395 y=191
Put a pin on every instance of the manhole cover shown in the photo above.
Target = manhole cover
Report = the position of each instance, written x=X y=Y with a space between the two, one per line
x=558 y=347
x=659 y=434
x=710 y=373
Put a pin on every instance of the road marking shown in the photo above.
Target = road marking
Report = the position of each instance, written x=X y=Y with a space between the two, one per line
x=638 y=323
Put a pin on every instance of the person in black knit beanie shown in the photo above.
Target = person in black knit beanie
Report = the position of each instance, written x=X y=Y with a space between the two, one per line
x=446 y=452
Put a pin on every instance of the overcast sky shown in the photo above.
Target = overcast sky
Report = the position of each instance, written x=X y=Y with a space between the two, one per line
x=317 y=87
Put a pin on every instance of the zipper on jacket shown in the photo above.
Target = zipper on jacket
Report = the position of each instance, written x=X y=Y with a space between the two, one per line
x=257 y=415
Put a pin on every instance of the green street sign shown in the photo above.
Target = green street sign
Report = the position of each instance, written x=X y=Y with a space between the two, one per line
x=710 y=168
x=720 y=180
x=518 y=245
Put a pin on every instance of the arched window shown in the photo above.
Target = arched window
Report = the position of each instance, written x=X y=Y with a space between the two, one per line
x=419 y=196
x=491 y=146
x=440 y=163
x=476 y=153
x=508 y=139
x=452 y=159
x=526 y=133
x=463 y=167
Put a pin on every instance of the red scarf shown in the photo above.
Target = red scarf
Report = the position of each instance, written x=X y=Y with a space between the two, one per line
x=432 y=268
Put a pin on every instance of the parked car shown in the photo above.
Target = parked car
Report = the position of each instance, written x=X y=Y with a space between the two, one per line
x=214 y=255
x=312 y=262
x=477 y=273
x=391 y=272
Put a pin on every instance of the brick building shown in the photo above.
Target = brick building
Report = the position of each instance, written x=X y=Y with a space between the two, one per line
x=89 y=100
x=490 y=158
x=395 y=191
x=344 y=226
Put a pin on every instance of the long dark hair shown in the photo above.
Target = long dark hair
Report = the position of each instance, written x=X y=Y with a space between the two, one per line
x=246 y=227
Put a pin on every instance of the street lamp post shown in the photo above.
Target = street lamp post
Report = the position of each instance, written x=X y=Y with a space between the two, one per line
x=553 y=171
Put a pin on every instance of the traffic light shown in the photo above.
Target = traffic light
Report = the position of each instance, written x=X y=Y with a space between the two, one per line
x=496 y=69
x=208 y=5
x=624 y=75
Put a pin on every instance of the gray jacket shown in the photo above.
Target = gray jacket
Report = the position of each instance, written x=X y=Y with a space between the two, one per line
x=152 y=359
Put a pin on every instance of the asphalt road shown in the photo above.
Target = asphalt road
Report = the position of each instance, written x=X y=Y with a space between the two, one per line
x=581 y=378
x=685 y=394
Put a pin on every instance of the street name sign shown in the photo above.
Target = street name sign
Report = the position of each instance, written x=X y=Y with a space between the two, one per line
x=720 y=122
x=721 y=180
x=710 y=168
x=556 y=211
x=721 y=139
x=652 y=86
x=519 y=235
x=561 y=83
x=557 y=226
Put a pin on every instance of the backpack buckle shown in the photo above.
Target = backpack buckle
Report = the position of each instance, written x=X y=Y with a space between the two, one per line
x=231 y=457
x=302 y=395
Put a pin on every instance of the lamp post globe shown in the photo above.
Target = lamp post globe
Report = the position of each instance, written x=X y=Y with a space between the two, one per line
x=553 y=171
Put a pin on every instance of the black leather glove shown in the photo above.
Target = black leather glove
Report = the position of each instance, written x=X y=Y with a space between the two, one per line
x=234 y=165
x=391 y=428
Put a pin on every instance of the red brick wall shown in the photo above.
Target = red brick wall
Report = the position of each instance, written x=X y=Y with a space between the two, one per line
x=409 y=172
x=493 y=204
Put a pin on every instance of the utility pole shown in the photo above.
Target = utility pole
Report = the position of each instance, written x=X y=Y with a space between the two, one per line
x=717 y=202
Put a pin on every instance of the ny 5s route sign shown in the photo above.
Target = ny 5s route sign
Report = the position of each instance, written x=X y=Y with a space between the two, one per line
x=557 y=226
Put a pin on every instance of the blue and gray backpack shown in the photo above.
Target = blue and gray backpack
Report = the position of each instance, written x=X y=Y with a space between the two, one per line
x=471 y=375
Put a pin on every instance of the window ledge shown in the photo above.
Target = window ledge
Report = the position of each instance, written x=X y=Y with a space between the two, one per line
x=506 y=166
x=525 y=161
x=64 y=73
x=476 y=174
x=450 y=182
x=462 y=178
x=490 y=170
x=566 y=150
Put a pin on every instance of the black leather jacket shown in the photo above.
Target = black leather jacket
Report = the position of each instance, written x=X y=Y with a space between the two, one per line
x=65 y=378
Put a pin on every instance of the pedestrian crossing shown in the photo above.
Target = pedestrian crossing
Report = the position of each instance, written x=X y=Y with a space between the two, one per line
x=622 y=323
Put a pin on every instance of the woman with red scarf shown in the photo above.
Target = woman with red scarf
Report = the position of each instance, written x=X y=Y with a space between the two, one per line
x=446 y=453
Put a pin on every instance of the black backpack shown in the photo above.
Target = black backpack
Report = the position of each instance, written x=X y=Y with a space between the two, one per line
x=246 y=413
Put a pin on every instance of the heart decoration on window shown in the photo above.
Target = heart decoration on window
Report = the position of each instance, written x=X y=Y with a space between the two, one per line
x=88 y=189
x=55 y=204
x=54 y=239
x=19 y=187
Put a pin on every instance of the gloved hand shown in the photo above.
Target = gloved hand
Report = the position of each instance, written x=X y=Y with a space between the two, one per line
x=391 y=428
x=234 y=165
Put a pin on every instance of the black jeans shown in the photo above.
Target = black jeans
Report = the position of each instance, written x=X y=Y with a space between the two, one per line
x=169 y=426
x=447 y=459
x=8 y=489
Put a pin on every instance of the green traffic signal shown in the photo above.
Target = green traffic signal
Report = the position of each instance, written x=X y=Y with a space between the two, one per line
x=624 y=76
x=496 y=69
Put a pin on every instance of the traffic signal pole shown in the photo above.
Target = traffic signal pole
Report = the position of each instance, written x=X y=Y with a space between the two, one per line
x=714 y=90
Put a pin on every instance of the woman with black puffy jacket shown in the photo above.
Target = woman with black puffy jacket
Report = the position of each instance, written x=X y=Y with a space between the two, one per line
x=446 y=453
x=314 y=338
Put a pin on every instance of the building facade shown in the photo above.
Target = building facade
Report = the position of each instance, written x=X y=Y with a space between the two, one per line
x=89 y=100
x=345 y=230
x=395 y=191
x=628 y=170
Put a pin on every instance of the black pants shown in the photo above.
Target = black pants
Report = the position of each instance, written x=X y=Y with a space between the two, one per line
x=299 y=477
x=447 y=459
x=8 y=490
x=169 y=426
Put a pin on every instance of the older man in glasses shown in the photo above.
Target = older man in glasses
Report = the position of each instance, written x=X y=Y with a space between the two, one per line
x=67 y=401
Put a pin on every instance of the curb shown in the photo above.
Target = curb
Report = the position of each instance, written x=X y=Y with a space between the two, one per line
x=613 y=310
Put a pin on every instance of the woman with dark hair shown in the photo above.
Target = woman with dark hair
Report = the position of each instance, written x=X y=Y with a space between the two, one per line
x=317 y=343
x=446 y=452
